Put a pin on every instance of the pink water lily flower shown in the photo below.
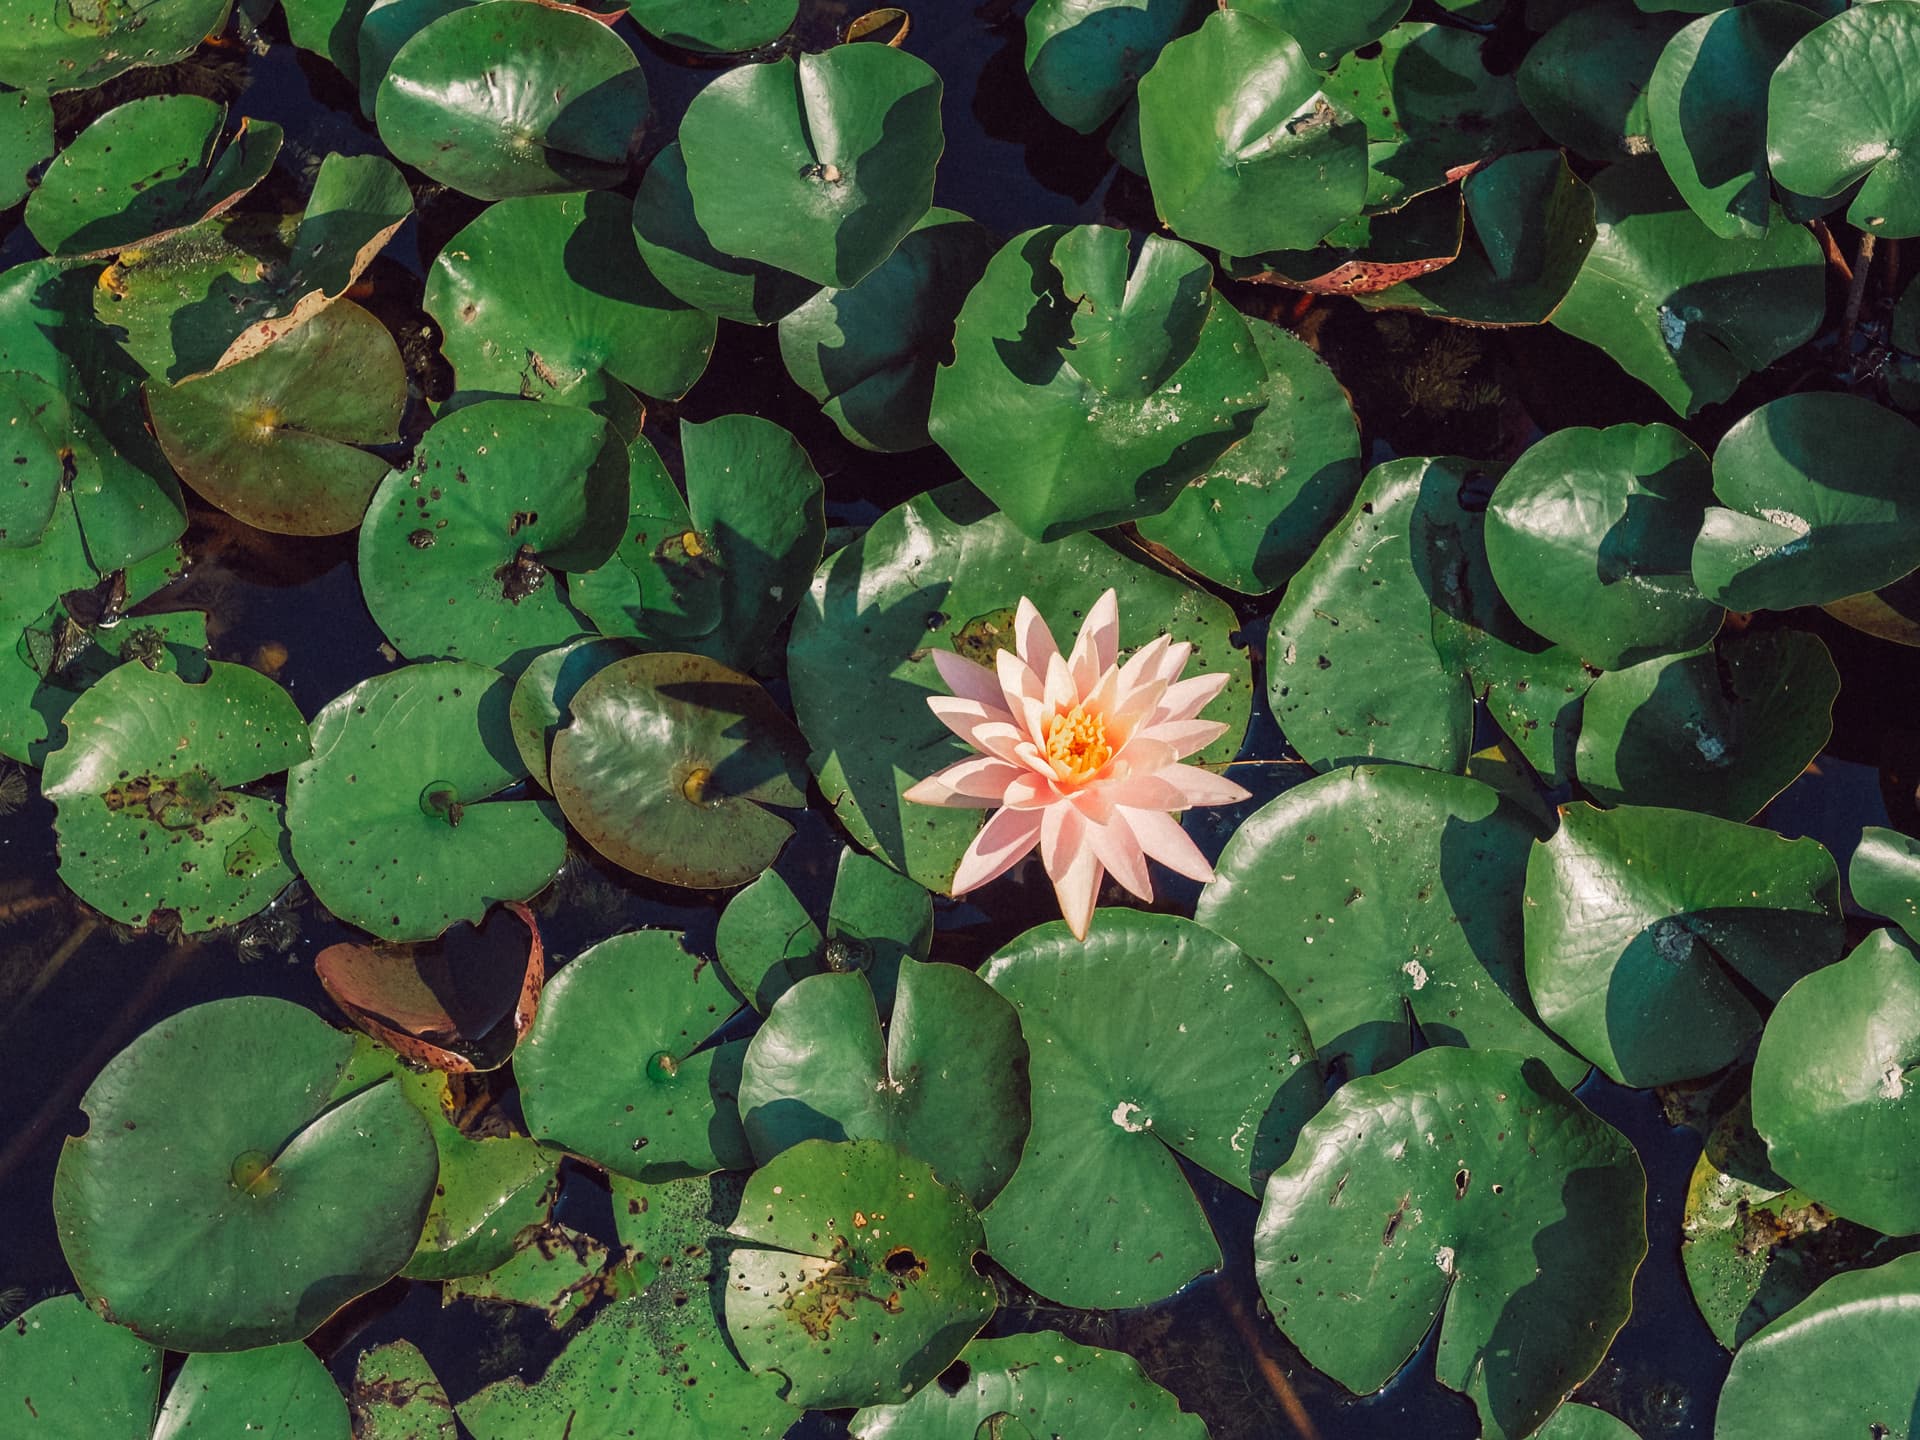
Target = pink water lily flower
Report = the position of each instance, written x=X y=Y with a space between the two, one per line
x=1080 y=755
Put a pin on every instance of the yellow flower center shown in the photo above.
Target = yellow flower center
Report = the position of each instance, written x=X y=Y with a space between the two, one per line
x=1077 y=744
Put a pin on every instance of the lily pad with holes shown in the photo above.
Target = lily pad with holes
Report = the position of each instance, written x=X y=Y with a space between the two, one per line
x=503 y=100
x=947 y=1083
x=1590 y=536
x=945 y=570
x=552 y=1268
x=255 y=1221
x=1586 y=79
x=1815 y=508
x=543 y=696
x=277 y=440
x=396 y=1396
x=855 y=1273
x=1328 y=29
x=458 y=552
x=840 y=145
x=707 y=28
x=151 y=816
x=1836 y=1085
x=145 y=170
x=1244 y=148
x=1084 y=57
x=618 y=1068
x=1466 y=1187
x=26 y=140
x=668 y=765
x=1210 y=1063
x=544 y=297
x=65 y=1372
x=48 y=48
x=1884 y=876
x=392 y=820
x=1044 y=1380
x=1722 y=731
x=1652 y=933
x=1384 y=892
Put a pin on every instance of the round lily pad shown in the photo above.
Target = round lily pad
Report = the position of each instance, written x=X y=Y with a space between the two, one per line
x=947 y=1083
x=668 y=765
x=35 y=421
x=1084 y=57
x=281 y=1392
x=389 y=817
x=1884 y=876
x=1590 y=538
x=144 y=170
x=1467 y=1187
x=1836 y=1085
x=151 y=817
x=1381 y=892
x=65 y=1372
x=208 y=1225
x=1648 y=931
x=717 y=29
x=275 y=440
x=1584 y=1422
x=52 y=48
x=26 y=140
x=1816 y=504
x=458 y=551
x=855 y=1279
x=617 y=1067
x=544 y=297
x=1210 y=1063
x=1723 y=731
x=841 y=146
x=1328 y=29
x=1586 y=79
x=500 y=100
x=543 y=695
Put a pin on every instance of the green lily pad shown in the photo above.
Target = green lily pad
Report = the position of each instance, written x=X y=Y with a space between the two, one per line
x=1884 y=876
x=615 y=1068
x=1084 y=57
x=37 y=421
x=1210 y=1063
x=545 y=298
x=868 y=353
x=66 y=1373
x=1243 y=147
x=1045 y=1380
x=855 y=1279
x=151 y=818
x=543 y=697
x=1252 y=520
x=254 y=1221
x=668 y=765
x=1720 y=731
x=1384 y=891
x=26 y=140
x=145 y=170
x=1328 y=29
x=1590 y=538
x=458 y=552
x=1844 y=111
x=1584 y=1422
x=841 y=146
x=275 y=440
x=1586 y=79
x=768 y=943
x=1467 y=1187
x=1836 y=1085
x=707 y=28
x=1368 y=253
x=281 y=1392
x=1648 y=931
x=402 y=765
x=1838 y=1363
x=552 y=1269
x=944 y=570
x=677 y=251
x=946 y=1084
x=329 y=29
x=1094 y=374
x=177 y=304
x=1684 y=310
x=48 y=48
x=502 y=100
x=396 y=1396
x=1816 y=508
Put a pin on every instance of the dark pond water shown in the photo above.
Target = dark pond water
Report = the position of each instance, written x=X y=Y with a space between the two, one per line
x=72 y=991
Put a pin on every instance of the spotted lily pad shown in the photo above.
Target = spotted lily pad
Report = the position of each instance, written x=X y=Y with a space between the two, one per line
x=396 y=1396
x=258 y=1220
x=1210 y=1063
x=552 y=1268
x=52 y=48
x=1328 y=29
x=65 y=1372
x=35 y=421
x=26 y=140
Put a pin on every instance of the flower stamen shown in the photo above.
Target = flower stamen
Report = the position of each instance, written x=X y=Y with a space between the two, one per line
x=1077 y=745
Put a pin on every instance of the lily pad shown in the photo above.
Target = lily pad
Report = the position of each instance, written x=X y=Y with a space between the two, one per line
x=841 y=146
x=275 y=440
x=1884 y=876
x=856 y=1278
x=65 y=1372
x=715 y=29
x=1836 y=1085
x=545 y=298
x=1722 y=731
x=258 y=1220
x=1328 y=29
x=26 y=140
x=1466 y=1187
x=396 y=1396
x=151 y=816
x=1584 y=1422
x=618 y=1069
x=281 y=1392
x=48 y=48
x=1650 y=933
x=1586 y=79
x=1084 y=57
x=403 y=765
x=552 y=1269
x=514 y=99
x=1815 y=508
x=37 y=421
x=1210 y=1063
x=1368 y=254
x=543 y=696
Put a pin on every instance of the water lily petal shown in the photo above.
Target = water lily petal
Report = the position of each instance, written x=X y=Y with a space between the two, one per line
x=1002 y=843
x=968 y=680
x=977 y=783
x=1203 y=787
x=1061 y=693
x=1119 y=851
x=1097 y=646
x=1184 y=736
x=1025 y=694
x=973 y=722
x=1032 y=637
x=1161 y=837
x=1066 y=851
x=1185 y=699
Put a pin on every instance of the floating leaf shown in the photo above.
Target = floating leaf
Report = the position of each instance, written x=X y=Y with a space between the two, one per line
x=1084 y=57
x=49 y=48
x=543 y=695
x=74 y=1374
x=209 y=1225
x=1521 y=1216
x=26 y=140
x=1584 y=1422
x=396 y=1396
x=721 y=29
x=1328 y=29
x=1586 y=79
x=1209 y=1063
x=1884 y=876
x=1368 y=254
x=37 y=421
x=552 y=1269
